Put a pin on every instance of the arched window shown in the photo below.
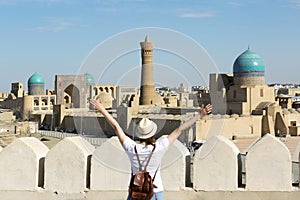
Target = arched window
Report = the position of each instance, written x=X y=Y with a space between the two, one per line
x=72 y=96
x=234 y=94
x=67 y=99
x=45 y=102
x=261 y=92
x=112 y=91
x=36 y=102
x=95 y=91
x=52 y=102
x=251 y=129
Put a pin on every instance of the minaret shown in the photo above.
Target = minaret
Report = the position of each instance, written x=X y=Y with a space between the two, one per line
x=148 y=93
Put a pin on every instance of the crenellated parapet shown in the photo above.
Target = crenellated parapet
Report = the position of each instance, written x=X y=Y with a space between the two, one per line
x=268 y=165
x=216 y=165
x=74 y=166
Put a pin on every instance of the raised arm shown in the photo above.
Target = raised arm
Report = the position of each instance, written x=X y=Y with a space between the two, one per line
x=113 y=123
x=203 y=111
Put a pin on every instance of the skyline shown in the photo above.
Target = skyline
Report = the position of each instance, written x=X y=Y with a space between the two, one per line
x=56 y=37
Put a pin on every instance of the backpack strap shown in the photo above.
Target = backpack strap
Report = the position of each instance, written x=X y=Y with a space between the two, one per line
x=155 y=173
x=137 y=156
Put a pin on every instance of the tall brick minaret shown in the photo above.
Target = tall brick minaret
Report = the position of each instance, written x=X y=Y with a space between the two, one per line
x=148 y=95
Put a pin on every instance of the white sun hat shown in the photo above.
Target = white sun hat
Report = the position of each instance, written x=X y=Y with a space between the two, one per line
x=146 y=129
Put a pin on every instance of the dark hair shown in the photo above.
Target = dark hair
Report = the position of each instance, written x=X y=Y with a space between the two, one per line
x=148 y=141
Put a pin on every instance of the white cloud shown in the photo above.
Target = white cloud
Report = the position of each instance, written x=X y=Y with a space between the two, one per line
x=197 y=15
x=295 y=3
x=110 y=10
x=16 y=2
x=116 y=6
x=57 y=24
x=234 y=3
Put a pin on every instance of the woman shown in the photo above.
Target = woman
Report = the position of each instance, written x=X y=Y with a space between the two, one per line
x=145 y=132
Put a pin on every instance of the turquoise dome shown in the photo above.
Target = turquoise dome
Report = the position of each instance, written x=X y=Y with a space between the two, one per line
x=36 y=79
x=248 y=61
x=89 y=78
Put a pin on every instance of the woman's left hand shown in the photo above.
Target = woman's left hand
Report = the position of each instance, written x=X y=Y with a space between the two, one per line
x=205 y=110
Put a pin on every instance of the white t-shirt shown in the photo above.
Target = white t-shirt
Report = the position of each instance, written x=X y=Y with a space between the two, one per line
x=161 y=147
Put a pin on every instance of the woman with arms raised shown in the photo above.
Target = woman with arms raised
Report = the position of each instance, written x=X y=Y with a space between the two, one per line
x=145 y=132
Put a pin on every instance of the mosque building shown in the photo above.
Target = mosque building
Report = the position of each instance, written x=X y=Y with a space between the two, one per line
x=243 y=91
x=36 y=100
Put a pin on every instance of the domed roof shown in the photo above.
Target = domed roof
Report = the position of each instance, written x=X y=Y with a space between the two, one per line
x=106 y=99
x=89 y=78
x=36 y=79
x=248 y=61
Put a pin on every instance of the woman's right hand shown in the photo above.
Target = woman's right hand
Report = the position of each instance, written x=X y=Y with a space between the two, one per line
x=97 y=104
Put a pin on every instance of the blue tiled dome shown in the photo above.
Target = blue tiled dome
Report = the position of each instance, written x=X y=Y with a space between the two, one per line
x=248 y=61
x=36 y=79
x=89 y=78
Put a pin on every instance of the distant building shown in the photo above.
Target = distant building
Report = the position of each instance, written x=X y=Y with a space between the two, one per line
x=3 y=96
x=26 y=103
x=243 y=104
x=288 y=96
x=17 y=89
x=72 y=90
x=243 y=91
x=148 y=94
x=126 y=95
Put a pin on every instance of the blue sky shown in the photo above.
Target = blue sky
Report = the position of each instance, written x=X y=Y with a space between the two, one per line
x=56 y=36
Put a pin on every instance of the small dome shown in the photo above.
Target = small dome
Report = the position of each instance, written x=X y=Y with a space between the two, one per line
x=106 y=99
x=89 y=78
x=36 y=79
x=248 y=61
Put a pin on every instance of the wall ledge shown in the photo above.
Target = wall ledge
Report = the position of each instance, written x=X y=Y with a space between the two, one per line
x=185 y=194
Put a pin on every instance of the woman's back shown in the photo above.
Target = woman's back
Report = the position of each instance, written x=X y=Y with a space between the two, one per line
x=144 y=152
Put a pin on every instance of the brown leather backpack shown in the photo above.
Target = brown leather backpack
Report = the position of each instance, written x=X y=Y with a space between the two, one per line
x=141 y=184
